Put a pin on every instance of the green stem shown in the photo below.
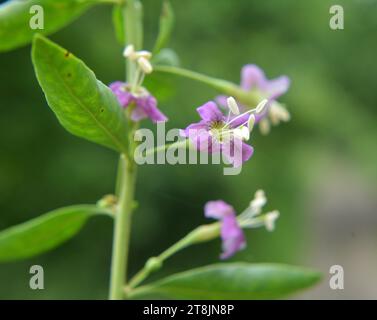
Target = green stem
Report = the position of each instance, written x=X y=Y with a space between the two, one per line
x=125 y=185
x=119 y=178
x=200 y=234
x=133 y=30
x=155 y=262
x=122 y=229
x=215 y=83
x=249 y=98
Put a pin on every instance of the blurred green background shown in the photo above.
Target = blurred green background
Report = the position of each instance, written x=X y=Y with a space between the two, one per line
x=319 y=170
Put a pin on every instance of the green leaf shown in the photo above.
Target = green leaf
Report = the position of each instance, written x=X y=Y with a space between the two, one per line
x=84 y=106
x=118 y=22
x=232 y=281
x=166 y=26
x=15 y=16
x=44 y=232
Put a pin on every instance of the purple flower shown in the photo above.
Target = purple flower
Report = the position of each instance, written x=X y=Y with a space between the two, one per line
x=145 y=105
x=216 y=133
x=254 y=79
x=231 y=234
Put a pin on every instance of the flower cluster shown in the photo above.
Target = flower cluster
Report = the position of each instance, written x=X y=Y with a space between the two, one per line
x=253 y=79
x=233 y=238
x=217 y=132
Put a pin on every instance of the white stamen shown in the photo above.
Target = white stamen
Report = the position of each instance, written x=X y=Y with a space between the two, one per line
x=245 y=133
x=278 y=113
x=145 y=54
x=129 y=52
x=251 y=122
x=259 y=194
x=285 y=115
x=232 y=104
x=274 y=115
x=258 y=202
x=145 y=65
x=270 y=219
x=240 y=132
x=264 y=126
x=236 y=132
x=228 y=116
x=261 y=105
x=239 y=116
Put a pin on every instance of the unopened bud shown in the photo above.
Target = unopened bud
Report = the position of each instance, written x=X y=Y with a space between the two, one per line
x=108 y=201
x=153 y=264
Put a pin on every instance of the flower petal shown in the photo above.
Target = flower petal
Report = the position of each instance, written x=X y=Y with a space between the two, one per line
x=202 y=141
x=124 y=97
x=276 y=87
x=221 y=101
x=247 y=151
x=149 y=106
x=199 y=136
x=218 y=209
x=194 y=127
x=210 y=112
x=138 y=114
x=236 y=151
x=232 y=236
x=252 y=75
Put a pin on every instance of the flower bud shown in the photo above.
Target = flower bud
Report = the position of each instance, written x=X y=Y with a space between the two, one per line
x=108 y=201
x=153 y=264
